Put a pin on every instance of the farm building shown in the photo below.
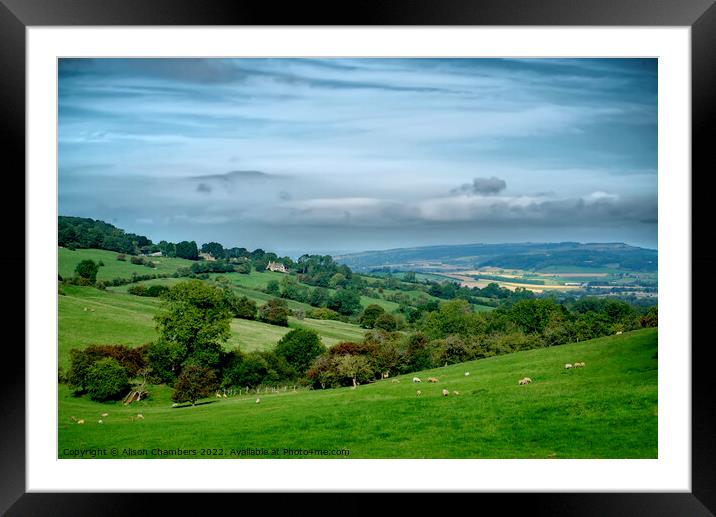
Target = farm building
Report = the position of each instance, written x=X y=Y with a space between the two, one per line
x=206 y=256
x=276 y=266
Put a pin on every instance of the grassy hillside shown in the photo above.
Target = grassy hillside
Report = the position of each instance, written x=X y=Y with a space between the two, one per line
x=118 y=318
x=606 y=410
x=113 y=268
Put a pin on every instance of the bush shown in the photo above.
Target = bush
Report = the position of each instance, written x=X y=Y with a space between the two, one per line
x=244 y=308
x=275 y=312
x=122 y=257
x=369 y=315
x=106 y=380
x=386 y=322
x=139 y=261
x=323 y=314
x=99 y=284
x=194 y=382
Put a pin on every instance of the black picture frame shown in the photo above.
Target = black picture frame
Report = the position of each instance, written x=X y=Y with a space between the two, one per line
x=17 y=15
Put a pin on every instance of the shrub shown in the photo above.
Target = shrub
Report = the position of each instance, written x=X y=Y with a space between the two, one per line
x=323 y=314
x=275 y=312
x=122 y=257
x=194 y=382
x=137 y=290
x=386 y=322
x=106 y=380
x=137 y=260
x=244 y=308
x=99 y=284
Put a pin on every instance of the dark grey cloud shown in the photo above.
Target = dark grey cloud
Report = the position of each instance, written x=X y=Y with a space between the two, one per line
x=203 y=188
x=487 y=186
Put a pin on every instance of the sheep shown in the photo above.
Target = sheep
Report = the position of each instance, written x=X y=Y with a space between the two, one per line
x=140 y=416
x=524 y=381
x=258 y=400
x=99 y=421
x=578 y=365
x=81 y=421
x=225 y=395
x=395 y=381
x=432 y=379
x=385 y=375
x=567 y=366
x=619 y=332
x=418 y=393
x=416 y=379
x=104 y=414
x=446 y=393
x=175 y=404
x=456 y=392
x=467 y=374
x=218 y=395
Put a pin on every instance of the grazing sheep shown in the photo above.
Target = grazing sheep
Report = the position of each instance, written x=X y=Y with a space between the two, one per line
x=175 y=404
x=455 y=392
x=446 y=393
x=73 y=418
x=395 y=381
x=81 y=421
x=416 y=379
x=218 y=395
x=385 y=375
x=567 y=366
x=467 y=374
x=258 y=400
x=99 y=421
x=104 y=414
x=578 y=365
x=418 y=393
x=524 y=381
x=225 y=395
x=140 y=416
x=432 y=379
x=619 y=333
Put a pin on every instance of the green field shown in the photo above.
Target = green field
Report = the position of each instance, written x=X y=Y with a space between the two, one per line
x=113 y=268
x=606 y=410
x=116 y=318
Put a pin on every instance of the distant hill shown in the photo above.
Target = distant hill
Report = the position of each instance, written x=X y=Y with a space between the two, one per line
x=528 y=256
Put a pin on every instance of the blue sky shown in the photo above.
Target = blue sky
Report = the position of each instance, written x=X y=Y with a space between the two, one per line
x=336 y=155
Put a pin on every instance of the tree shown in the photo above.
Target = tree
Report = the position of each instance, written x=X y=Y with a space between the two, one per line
x=369 y=315
x=195 y=382
x=87 y=269
x=345 y=301
x=273 y=288
x=275 y=312
x=353 y=367
x=187 y=250
x=106 y=380
x=244 y=308
x=215 y=249
x=300 y=347
x=194 y=322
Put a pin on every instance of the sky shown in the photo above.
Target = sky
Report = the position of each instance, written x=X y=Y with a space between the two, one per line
x=339 y=155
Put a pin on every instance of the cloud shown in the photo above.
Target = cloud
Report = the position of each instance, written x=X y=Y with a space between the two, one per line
x=486 y=186
x=203 y=188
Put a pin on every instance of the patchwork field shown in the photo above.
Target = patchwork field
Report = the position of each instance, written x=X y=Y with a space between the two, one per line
x=608 y=409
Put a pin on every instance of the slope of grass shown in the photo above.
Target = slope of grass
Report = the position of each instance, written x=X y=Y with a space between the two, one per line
x=88 y=316
x=113 y=268
x=606 y=410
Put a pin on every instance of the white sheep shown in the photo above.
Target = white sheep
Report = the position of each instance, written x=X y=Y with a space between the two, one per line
x=619 y=333
x=524 y=381
x=446 y=393
x=104 y=414
x=418 y=393
x=140 y=416
x=467 y=374
x=567 y=366
x=395 y=381
x=99 y=421
x=81 y=421
x=416 y=379
x=258 y=400
x=455 y=392
x=175 y=404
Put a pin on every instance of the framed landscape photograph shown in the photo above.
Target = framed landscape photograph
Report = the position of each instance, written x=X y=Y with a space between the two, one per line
x=345 y=258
